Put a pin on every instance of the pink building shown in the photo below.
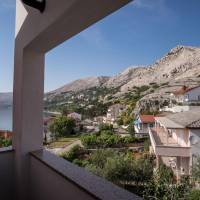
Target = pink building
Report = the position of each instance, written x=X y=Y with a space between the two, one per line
x=175 y=140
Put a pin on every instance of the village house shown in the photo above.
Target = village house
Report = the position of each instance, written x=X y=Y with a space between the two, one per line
x=5 y=134
x=175 y=140
x=187 y=95
x=88 y=126
x=80 y=96
x=143 y=123
x=184 y=99
x=98 y=120
x=114 y=113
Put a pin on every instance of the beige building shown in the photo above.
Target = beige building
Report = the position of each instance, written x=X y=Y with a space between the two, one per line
x=113 y=113
x=175 y=140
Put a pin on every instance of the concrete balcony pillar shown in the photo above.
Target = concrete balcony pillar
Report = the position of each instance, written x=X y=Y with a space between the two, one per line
x=28 y=114
x=37 y=33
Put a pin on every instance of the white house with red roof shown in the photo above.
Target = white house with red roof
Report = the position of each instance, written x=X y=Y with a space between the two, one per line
x=143 y=123
x=187 y=94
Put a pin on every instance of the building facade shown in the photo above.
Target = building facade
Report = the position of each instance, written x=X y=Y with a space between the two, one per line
x=175 y=141
x=187 y=95
x=143 y=123
x=113 y=113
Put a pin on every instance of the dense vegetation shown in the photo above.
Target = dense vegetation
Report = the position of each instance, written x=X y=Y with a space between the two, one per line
x=136 y=175
x=107 y=138
x=96 y=101
x=5 y=142
x=90 y=103
x=119 y=167
x=62 y=126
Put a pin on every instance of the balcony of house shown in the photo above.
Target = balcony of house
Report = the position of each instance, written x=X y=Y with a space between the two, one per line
x=27 y=171
x=141 y=129
x=52 y=177
x=164 y=144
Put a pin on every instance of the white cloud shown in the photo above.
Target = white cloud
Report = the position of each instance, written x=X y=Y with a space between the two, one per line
x=158 y=6
x=142 y=4
x=150 y=4
x=93 y=35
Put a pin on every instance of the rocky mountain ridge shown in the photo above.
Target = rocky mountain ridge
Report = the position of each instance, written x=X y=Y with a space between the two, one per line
x=181 y=65
x=81 y=84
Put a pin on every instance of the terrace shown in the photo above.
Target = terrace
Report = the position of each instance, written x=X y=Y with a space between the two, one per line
x=165 y=145
x=26 y=170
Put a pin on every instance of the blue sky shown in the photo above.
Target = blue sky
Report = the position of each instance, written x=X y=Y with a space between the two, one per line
x=138 y=34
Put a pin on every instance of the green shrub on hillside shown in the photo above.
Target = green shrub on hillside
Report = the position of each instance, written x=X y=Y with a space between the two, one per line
x=143 y=88
x=73 y=154
x=155 y=86
x=194 y=194
x=105 y=127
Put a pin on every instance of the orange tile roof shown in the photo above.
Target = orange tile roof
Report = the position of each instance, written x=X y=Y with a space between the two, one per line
x=147 y=118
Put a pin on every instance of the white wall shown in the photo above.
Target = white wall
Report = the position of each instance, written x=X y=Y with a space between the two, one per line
x=181 y=136
x=195 y=146
x=48 y=184
x=193 y=94
x=176 y=109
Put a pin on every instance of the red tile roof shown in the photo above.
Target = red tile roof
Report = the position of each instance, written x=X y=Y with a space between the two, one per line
x=184 y=90
x=147 y=118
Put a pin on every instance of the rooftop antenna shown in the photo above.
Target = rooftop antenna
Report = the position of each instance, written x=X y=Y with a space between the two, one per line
x=37 y=4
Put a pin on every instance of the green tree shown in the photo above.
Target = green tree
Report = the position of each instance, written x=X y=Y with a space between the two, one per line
x=65 y=111
x=89 y=140
x=99 y=157
x=105 y=127
x=196 y=170
x=147 y=144
x=5 y=142
x=120 y=121
x=73 y=154
x=163 y=187
x=194 y=194
x=62 y=126
x=131 y=128
x=121 y=168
